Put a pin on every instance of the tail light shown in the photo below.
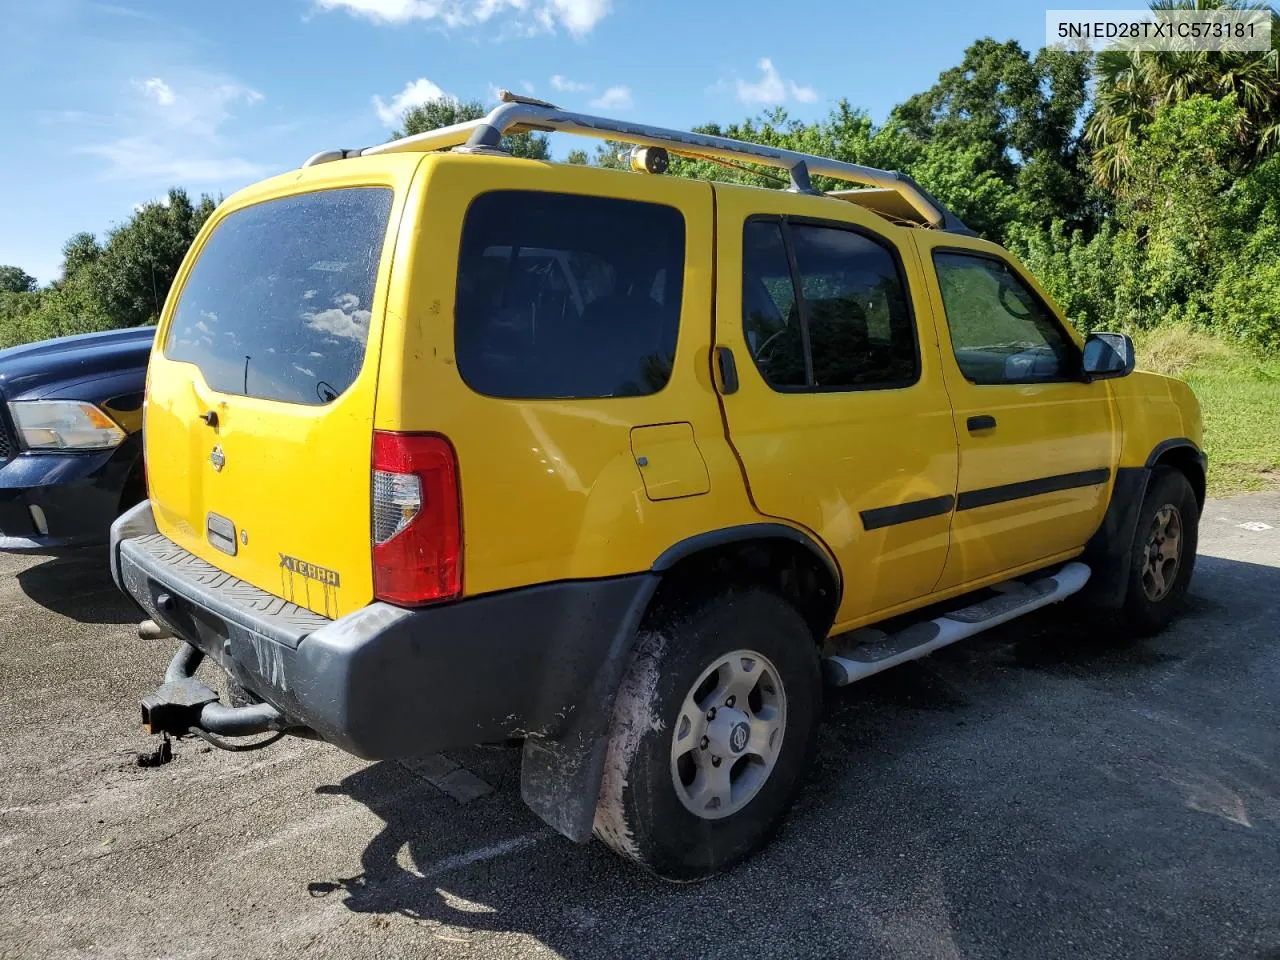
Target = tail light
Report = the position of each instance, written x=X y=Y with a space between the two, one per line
x=417 y=519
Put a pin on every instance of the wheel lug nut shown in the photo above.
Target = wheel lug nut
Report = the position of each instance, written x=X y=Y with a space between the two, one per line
x=704 y=743
x=711 y=714
x=715 y=761
x=730 y=702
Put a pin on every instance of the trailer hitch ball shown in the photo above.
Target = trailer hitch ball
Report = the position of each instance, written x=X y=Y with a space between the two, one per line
x=176 y=706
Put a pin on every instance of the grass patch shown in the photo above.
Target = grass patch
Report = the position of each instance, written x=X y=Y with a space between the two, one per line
x=1239 y=396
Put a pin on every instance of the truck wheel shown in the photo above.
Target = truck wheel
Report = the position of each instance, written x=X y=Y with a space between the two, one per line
x=1164 y=552
x=712 y=729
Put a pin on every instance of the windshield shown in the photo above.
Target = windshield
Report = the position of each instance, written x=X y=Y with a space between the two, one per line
x=278 y=304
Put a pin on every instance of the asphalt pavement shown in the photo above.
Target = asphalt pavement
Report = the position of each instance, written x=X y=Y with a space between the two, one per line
x=1049 y=789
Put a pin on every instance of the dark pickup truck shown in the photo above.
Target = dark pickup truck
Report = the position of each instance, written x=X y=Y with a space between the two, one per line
x=71 y=437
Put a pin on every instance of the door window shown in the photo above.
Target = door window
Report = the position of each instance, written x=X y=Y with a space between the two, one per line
x=770 y=310
x=1000 y=330
x=825 y=308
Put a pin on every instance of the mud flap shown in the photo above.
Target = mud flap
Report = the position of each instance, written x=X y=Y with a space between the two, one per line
x=560 y=778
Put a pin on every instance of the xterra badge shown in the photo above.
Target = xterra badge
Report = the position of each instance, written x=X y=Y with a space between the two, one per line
x=309 y=570
x=218 y=459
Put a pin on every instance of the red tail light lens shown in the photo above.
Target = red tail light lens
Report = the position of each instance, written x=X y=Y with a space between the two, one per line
x=417 y=519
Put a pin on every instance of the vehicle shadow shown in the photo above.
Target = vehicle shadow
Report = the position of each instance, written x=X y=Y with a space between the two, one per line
x=79 y=586
x=904 y=745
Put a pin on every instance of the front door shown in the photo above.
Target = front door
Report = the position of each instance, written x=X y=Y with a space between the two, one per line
x=1037 y=443
x=840 y=416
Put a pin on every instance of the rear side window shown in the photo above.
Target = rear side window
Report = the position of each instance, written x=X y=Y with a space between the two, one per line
x=278 y=304
x=568 y=297
x=770 y=310
x=825 y=308
x=861 y=333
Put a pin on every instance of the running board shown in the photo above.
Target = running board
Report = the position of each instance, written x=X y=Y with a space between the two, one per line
x=868 y=650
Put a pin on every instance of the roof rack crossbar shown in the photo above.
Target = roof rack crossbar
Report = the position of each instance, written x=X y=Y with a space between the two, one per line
x=514 y=116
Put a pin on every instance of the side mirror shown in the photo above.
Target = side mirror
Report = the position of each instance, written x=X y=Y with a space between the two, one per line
x=1108 y=355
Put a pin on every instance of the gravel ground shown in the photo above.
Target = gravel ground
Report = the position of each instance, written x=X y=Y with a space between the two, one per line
x=1046 y=790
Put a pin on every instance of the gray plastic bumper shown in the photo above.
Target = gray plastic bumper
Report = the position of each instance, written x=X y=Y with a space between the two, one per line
x=388 y=682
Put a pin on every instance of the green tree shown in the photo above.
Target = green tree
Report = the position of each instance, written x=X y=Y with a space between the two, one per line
x=79 y=252
x=1016 y=116
x=1133 y=85
x=16 y=280
x=445 y=111
x=131 y=278
x=577 y=157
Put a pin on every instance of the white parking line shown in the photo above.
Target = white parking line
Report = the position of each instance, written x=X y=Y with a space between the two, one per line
x=460 y=860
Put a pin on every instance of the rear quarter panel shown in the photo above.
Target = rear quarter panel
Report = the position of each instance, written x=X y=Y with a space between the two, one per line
x=550 y=488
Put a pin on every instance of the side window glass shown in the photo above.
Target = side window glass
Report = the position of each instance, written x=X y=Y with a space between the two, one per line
x=770 y=312
x=1000 y=331
x=563 y=296
x=861 y=332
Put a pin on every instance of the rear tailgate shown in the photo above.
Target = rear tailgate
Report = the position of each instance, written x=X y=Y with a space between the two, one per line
x=262 y=382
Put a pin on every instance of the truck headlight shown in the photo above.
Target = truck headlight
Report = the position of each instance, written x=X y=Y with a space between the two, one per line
x=64 y=425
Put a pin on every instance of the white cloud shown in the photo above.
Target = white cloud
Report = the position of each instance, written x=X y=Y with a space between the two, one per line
x=147 y=158
x=578 y=17
x=804 y=94
x=414 y=94
x=564 y=85
x=526 y=86
x=157 y=90
x=350 y=324
x=172 y=131
x=615 y=98
x=770 y=88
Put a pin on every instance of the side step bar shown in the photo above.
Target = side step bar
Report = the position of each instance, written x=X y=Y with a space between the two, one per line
x=868 y=650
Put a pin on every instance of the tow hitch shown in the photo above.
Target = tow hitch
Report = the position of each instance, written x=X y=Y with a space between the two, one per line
x=185 y=705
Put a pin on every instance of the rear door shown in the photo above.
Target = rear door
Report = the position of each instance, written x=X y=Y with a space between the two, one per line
x=1037 y=443
x=262 y=383
x=840 y=416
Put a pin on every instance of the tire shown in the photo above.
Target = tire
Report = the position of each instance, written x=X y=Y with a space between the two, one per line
x=1151 y=601
x=646 y=812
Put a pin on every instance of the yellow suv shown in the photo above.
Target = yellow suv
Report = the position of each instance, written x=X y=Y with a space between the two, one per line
x=448 y=447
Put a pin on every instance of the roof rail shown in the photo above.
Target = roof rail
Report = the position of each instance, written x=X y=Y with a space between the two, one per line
x=517 y=114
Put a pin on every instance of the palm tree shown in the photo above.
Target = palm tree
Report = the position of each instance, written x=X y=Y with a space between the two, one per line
x=1131 y=85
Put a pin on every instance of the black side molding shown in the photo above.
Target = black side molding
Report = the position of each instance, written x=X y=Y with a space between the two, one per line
x=906 y=512
x=987 y=496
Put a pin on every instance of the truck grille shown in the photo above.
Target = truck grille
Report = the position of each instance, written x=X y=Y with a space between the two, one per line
x=7 y=445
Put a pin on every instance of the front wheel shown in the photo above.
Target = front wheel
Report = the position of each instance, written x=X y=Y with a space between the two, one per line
x=1164 y=552
x=711 y=732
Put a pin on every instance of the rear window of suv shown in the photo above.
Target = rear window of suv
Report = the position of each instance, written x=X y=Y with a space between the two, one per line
x=568 y=297
x=278 y=304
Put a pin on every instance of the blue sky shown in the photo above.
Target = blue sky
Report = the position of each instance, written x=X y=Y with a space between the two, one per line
x=109 y=103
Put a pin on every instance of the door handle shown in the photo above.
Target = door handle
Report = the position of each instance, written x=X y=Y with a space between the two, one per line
x=728 y=370
x=983 y=422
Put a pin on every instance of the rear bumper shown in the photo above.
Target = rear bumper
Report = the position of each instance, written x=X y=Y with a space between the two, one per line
x=78 y=494
x=388 y=682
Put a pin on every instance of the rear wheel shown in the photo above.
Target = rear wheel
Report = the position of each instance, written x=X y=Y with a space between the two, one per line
x=711 y=731
x=1164 y=552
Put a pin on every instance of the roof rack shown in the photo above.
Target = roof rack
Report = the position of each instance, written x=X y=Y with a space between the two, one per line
x=517 y=114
